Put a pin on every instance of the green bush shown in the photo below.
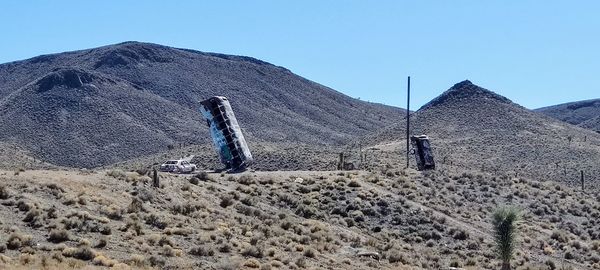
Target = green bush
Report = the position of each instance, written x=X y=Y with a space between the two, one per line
x=504 y=221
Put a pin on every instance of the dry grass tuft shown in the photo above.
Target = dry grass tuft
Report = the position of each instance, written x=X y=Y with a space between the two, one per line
x=58 y=236
x=17 y=240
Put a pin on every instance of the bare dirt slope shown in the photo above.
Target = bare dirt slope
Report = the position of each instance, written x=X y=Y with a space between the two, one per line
x=391 y=219
x=584 y=113
x=105 y=105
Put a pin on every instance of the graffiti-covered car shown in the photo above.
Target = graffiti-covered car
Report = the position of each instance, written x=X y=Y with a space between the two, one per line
x=178 y=166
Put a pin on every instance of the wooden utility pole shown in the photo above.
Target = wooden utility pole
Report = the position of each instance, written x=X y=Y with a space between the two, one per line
x=408 y=124
x=361 y=155
x=582 y=182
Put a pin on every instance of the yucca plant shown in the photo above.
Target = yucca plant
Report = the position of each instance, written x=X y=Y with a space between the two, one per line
x=505 y=226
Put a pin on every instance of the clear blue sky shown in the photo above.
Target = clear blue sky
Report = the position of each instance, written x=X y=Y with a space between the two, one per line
x=536 y=53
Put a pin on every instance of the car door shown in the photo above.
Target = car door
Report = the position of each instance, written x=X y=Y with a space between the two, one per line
x=186 y=166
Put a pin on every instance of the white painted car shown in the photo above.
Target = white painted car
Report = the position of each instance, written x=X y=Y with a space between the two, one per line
x=178 y=166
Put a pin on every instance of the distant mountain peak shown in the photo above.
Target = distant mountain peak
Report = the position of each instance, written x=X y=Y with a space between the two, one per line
x=463 y=84
x=465 y=91
x=131 y=53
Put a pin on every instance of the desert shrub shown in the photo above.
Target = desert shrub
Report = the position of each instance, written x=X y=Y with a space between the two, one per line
x=559 y=236
x=354 y=184
x=156 y=261
x=135 y=206
x=551 y=264
x=286 y=224
x=101 y=243
x=24 y=205
x=17 y=240
x=4 y=192
x=137 y=261
x=70 y=200
x=504 y=222
x=267 y=181
x=145 y=194
x=133 y=223
x=304 y=189
x=142 y=171
x=117 y=174
x=460 y=235
x=288 y=200
x=249 y=201
x=569 y=255
x=34 y=218
x=395 y=256
x=301 y=262
x=194 y=181
x=202 y=251
x=305 y=211
x=101 y=260
x=169 y=251
x=185 y=209
x=252 y=263
x=106 y=230
x=51 y=213
x=202 y=176
x=246 y=180
x=84 y=253
x=339 y=211
x=155 y=221
x=226 y=200
x=178 y=231
x=164 y=240
x=58 y=236
x=225 y=248
x=253 y=251
x=310 y=253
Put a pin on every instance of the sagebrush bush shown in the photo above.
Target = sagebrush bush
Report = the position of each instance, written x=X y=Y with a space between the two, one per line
x=17 y=240
x=246 y=180
x=226 y=201
x=58 y=236
x=253 y=251
x=203 y=176
x=84 y=253
x=4 y=192
x=101 y=260
x=202 y=251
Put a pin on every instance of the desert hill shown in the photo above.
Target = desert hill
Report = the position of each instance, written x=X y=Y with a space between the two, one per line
x=393 y=219
x=472 y=127
x=584 y=113
x=104 y=105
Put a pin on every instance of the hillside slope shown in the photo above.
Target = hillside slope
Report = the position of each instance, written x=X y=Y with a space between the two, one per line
x=397 y=219
x=104 y=105
x=474 y=128
x=584 y=113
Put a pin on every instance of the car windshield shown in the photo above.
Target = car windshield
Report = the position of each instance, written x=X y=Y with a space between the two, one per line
x=171 y=162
